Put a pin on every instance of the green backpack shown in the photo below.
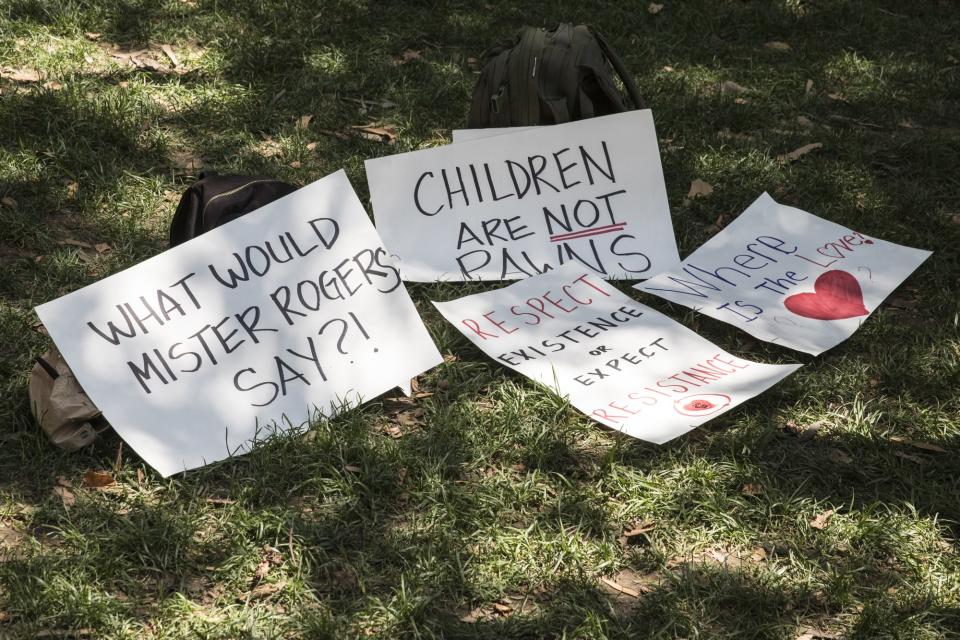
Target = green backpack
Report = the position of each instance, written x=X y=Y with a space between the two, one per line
x=549 y=77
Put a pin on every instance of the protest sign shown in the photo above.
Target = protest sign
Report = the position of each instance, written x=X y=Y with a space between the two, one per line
x=290 y=312
x=786 y=276
x=621 y=363
x=469 y=135
x=589 y=192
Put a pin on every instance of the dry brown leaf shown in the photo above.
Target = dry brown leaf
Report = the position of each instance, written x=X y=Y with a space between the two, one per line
x=76 y=243
x=268 y=589
x=635 y=529
x=168 y=50
x=910 y=457
x=8 y=202
x=352 y=468
x=220 y=501
x=731 y=87
x=916 y=444
x=616 y=586
x=385 y=134
x=808 y=89
x=186 y=160
x=261 y=571
x=98 y=479
x=804 y=121
x=66 y=495
x=72 y=189
x=776 y=45
x=752 y=489
x=304 y=121
x=140 y=476
x=822 y=520
x=19 y=75
x=296 y=164
x=654 y=8
x=699 y=189
x=53 y=85
x=102 y=247
x=796 y=154
x=92 y=35
x=408 y=55
x=502 y=609
x=311 y=146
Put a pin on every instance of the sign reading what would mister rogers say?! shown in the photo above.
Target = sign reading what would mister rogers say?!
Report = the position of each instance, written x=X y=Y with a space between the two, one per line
x=788 y=277
x=516 y=205
x=620 y=362
x=291 y=312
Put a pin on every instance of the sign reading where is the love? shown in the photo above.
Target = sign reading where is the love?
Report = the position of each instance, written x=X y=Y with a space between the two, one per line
x=788 y=277
x=621 y=363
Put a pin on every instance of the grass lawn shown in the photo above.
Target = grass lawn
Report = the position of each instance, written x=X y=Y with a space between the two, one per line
x=827 y=507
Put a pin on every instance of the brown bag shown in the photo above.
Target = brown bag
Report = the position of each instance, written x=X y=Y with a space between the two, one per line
x=65 y=413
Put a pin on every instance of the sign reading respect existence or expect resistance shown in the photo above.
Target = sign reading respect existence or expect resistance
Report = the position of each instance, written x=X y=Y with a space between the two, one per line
x=589 y=192
x=621 y=363
x=786 y=276
x=291 y=312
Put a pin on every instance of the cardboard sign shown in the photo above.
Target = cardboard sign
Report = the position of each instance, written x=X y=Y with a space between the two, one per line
x=517 y=205
x=621 y=363
x=288 y=313
x=469 y=135
x=786 y=276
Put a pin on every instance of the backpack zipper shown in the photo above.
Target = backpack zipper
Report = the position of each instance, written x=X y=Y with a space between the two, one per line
x=235 y=189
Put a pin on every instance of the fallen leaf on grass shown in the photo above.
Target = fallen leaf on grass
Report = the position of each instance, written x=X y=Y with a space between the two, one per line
x=926 y=446
x=654 y=8
x=838 y=456
x=352 y=468
x=66 y=495
x=8 y=202
x=268 y=589
x=821 y=521
x=98 y=479
x=186 y=160
x=803 y=431
x=804 y=121
x=304 y=121
x=776 y=45
x=296 y=164
x=168 y=50
x=796 y=154
x=76 y=243
x=910 y=457
x=90 y=35
x=731 y=87
x=386 y=135
x=102 y=247
x=220 y=501
x=502 y=609
x=635 y=529
x=616 y=586
x=19 y=75
x=408 y=55
x=751 y=489
x=808 y=89
x=698 y=189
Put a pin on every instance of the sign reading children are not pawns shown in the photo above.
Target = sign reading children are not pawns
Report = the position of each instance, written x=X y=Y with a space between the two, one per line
x=621 y=363
x=589 y=193
x=786 y=276
x=291 y=312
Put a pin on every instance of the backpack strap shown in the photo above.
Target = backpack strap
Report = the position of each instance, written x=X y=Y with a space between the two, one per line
x=522 y=77
x=621 y=70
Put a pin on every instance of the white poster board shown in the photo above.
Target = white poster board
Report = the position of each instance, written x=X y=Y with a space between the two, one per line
x=621 y=363
x=505 y=208
x=786 y=276
x=287 y=313
x=469 y=135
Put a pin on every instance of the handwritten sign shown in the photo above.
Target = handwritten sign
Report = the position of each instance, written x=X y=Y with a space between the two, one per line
x=288 y=313
x=786 y=276
x=621 y=363
x=520 y=204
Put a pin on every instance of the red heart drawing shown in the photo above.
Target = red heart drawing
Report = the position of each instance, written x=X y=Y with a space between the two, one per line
x=837 y=295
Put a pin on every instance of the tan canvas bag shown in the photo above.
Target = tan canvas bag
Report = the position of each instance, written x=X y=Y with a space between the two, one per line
x=65 y=413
